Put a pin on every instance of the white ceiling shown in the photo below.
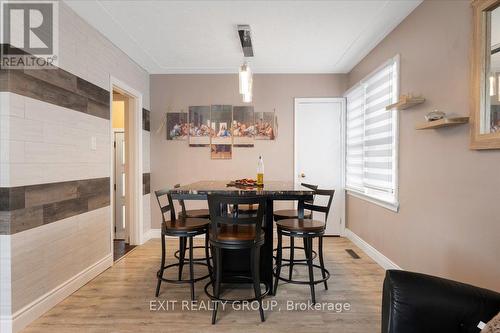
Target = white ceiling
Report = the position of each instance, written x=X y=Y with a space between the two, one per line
x=288 y=36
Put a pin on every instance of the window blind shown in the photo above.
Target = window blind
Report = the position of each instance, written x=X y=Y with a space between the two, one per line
x=355 y=126
x=371 y=134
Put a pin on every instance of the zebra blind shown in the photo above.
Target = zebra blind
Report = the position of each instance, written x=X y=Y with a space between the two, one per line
x=371 y=135
x=355 y=127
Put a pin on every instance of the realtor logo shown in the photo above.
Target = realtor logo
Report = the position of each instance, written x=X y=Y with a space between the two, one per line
x=29 y=34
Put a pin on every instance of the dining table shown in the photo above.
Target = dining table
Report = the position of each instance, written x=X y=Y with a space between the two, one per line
x=237 y=262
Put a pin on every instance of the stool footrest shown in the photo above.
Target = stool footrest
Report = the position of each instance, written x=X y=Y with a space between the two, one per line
x=295 y=260
x=176 y=254
x=182 y=280
x=212 y=297
x=299 y=281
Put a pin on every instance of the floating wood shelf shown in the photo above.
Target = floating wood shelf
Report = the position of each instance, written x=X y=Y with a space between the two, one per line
x=405 y=102
x=443 y=123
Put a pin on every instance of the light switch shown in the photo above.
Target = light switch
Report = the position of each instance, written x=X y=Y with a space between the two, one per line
x=93 y=143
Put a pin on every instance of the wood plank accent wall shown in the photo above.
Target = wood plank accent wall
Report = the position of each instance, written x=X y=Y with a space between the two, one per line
x=59 y=87
x=146 y=114
x=146 y=183
x=30 y=206
x=27 y=207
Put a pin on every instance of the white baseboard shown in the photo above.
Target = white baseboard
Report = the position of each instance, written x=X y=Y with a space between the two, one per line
x=373 y=253
x=152 y=233
x=38 y=307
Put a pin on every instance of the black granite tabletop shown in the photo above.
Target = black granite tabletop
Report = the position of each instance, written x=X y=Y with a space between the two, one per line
x=270 y=188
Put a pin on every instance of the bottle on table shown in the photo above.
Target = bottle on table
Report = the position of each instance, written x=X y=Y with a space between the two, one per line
x=260 y=172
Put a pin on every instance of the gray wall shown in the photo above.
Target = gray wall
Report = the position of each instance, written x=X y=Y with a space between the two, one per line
x=449 y=222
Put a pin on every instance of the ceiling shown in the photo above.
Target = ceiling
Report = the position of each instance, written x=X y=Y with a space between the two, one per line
x=288 y=36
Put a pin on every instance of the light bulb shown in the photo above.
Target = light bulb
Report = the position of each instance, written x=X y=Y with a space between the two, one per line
x=245 y=79
x=247 y=97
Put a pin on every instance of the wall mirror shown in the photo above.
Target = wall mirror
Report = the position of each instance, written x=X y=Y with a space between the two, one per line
x=485 y=117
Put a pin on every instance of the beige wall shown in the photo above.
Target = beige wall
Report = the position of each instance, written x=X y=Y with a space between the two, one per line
x=449 y=220
x=174 y=162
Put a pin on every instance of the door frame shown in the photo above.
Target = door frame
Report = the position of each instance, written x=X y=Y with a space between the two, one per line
x=116 y=130
x=136 y=234
x=342 y=101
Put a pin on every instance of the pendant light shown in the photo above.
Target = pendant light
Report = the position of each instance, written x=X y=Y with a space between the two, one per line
x=247 y=98
x=245 y=79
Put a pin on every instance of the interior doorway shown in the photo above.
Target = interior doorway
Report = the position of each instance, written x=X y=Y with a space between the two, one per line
x=126 y=169
x=319 y=154
x=121 y=236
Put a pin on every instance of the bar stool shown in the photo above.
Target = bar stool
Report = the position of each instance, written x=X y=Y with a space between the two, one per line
x=293 y=213
x=232 y=231
x=283 y=214
x=200 y=213
x=196 y=213
x=185 y=228
x=307 y=229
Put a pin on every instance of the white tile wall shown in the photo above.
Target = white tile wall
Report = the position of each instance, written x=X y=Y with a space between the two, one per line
x=5 y=276
x=45 y=257
x=88 y=54
x=42 y=143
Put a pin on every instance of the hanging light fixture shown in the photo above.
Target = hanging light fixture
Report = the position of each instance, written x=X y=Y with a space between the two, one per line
x=246 y=82
x=247 y=96
x=245 y=73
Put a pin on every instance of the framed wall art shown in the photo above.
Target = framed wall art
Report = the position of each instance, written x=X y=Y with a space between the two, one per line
x=177 y=126
x=243 y=128
x=199 y=126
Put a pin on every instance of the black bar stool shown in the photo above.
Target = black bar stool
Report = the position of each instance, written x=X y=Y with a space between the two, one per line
x=200 y=213
x=307 y=229
x=232 y=231
x=185 y=228
x=293 y=213
x=196 y=213
x=283 y=214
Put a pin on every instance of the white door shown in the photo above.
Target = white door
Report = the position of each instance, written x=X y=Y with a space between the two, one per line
x=318 y=152
x=120 y=225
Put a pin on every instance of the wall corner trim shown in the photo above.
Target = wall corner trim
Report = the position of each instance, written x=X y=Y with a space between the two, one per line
x=38 y=307
x=373 y=253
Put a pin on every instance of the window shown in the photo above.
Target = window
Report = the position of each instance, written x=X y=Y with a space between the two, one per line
x=371 y=136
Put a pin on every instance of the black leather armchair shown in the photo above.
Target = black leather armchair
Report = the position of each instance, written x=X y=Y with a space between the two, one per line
x=419 y=303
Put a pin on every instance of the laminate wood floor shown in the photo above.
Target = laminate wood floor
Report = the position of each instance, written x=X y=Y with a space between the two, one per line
x=119 y=300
